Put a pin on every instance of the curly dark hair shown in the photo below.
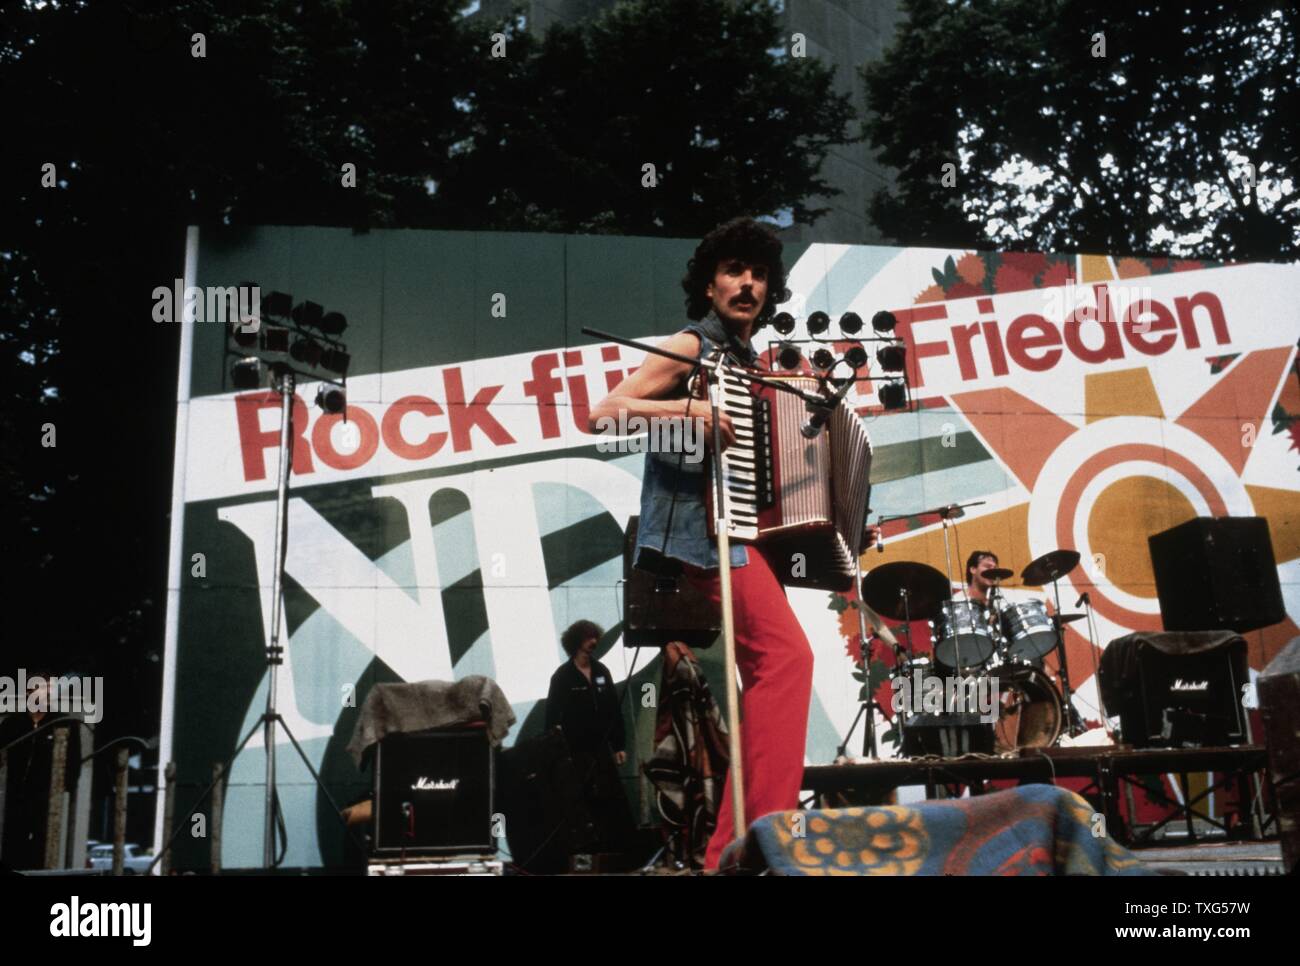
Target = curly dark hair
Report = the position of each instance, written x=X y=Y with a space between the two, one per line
x=578 y=632
x=973 y=560
x=743 y=238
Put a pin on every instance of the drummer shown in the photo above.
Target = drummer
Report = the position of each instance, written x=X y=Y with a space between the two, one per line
x=984 y=583
x=984 y=586
x=978 y=584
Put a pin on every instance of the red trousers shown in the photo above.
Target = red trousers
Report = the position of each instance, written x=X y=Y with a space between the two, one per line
x=776 y=666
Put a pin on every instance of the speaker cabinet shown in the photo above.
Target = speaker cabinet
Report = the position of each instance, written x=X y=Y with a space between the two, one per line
x=433 y=793
x=1176 y=690
x=659 y=608
x=1278 y=688
x=1217 y=573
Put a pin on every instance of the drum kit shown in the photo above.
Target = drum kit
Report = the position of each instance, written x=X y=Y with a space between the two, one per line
x=996 y=643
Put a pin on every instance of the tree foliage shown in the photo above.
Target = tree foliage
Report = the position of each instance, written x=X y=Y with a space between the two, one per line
x=145 y=137
x=703 y=90
x=1076 y=125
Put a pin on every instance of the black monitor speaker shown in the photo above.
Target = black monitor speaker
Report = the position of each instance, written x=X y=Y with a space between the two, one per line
x=1217 y=573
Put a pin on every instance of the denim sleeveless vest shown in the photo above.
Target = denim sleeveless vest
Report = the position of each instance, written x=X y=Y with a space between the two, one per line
x=674 y=520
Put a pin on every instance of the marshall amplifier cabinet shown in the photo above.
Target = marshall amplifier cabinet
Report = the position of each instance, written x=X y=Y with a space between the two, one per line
x=1177 y=690
x=661 y=608
x=1217 y=573
x=434 y=793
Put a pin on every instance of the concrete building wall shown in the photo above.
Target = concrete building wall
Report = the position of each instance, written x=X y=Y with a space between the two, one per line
x=842 y=33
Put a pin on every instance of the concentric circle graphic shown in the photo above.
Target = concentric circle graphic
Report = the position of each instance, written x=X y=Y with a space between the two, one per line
x=1139 y=456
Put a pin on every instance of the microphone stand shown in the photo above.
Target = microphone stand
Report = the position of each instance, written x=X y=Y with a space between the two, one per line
x=728 y=617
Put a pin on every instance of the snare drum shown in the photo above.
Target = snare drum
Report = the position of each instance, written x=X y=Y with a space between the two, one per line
x=964 y=627
x=1029 y=631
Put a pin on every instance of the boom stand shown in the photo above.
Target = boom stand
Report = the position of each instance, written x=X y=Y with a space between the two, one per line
x=728 y=619
x=868 y=706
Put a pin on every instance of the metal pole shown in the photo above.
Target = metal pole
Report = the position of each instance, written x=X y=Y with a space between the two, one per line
x=728 y=620
x=54 y=816
x=214 y=826
x=868 y=706
x=119 y=809
x=169 y=816
x=4 y=784
x=285 y=387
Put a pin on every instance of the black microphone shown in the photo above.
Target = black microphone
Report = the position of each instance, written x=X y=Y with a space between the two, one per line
x=1083 y=599
x=820 y=414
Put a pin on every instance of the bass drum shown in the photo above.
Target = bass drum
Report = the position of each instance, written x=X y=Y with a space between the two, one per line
x=1031 y=711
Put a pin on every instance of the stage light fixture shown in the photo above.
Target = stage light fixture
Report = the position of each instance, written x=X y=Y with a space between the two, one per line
x=892 y=358
x=818 y=323
x=335 y=360
x=332 y=399
x=279 y=304
x=275 y=339
x=246 y=374
x=333 y=323
x=856 y=357
x=788 y=356
x=850 y=323
x=783 y=322
x=307 y=351
x=308 y=314
x=884 y=321
x=893 y=395
x=243 y=339
x=823 y=359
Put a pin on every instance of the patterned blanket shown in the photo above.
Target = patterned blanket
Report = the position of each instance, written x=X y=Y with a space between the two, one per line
x=1031 y=830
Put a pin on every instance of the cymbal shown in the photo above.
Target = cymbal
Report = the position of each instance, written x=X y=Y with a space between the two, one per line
x=927 y=589
x=998 y=573
x=1050 y=566
x=1070 y=618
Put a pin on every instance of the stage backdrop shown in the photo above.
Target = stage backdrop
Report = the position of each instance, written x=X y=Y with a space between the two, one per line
x=465 y=517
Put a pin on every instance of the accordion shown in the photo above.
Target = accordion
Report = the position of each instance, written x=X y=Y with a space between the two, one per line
x=803 y=500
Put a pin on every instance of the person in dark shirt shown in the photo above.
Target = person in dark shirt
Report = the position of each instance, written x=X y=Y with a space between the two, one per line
x=30 y=761
x=583 y=700
x=584 y=703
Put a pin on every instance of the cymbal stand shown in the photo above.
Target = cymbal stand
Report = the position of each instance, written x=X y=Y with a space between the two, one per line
x=906 y=595
x=1071 y=713
x=945 y=514
x=868 y=706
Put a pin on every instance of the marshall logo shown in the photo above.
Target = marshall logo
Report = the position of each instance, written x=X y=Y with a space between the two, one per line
x=423 y=784
x=1181 y=685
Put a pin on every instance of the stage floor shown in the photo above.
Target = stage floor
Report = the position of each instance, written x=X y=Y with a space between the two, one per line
x=1216 y=858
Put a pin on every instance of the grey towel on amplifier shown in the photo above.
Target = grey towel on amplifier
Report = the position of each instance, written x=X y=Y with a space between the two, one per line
x=391 y=708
